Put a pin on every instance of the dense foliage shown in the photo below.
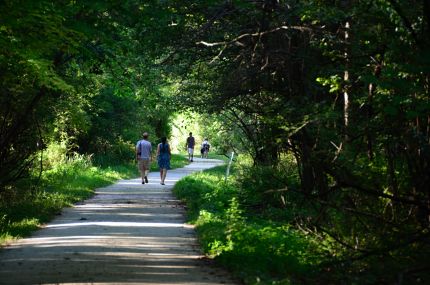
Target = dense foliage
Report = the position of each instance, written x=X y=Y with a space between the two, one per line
x=343 y=87
x=74 y=73
x=241 y=224
x=63 y=183
x=78 y=86
x=339 y=87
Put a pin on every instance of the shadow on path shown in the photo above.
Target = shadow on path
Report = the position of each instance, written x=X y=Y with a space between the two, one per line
x=128 y=233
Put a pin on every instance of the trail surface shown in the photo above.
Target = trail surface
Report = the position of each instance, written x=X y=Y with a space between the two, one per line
x=128 y=233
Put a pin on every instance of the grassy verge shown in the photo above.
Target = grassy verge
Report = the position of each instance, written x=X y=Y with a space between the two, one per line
x=259 y=225
x=256 y=244
x=223 y=157
x=36 y=202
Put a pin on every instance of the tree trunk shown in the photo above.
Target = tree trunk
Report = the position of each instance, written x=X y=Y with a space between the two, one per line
x=372 y=88
x=346 y=4
x=346 y=78
x=312 y=175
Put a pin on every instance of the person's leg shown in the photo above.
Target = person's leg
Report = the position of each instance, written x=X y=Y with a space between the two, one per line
x=143 y=174
x=142 y=170
x=190 y=154
x=146 y=171
x=163 y=172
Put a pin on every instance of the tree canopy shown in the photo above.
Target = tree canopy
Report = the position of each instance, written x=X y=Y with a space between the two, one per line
x=340 y=86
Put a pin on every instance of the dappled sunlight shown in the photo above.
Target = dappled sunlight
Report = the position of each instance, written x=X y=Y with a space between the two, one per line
x=159 y=191
x=171 y=180
x=102 y=241
x=128 y=233
x=151 y=215
x=117 y=224
x=127 y=182
x=116 y=268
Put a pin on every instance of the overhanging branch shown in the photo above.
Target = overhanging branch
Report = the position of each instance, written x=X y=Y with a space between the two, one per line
x=236 y=40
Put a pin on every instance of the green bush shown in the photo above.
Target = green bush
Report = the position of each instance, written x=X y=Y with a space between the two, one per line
x=67 y=181
x=256 y=248
x=121 y=152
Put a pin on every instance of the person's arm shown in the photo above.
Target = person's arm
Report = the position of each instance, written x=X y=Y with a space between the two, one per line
x=170 y=154
x=137 y=151
x=151 y=154
x=158 y=150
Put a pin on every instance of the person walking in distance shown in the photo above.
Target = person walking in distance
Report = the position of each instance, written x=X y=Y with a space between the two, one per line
x=143 y=156
x=190 y=146
x=205 y=148
x=163 y=158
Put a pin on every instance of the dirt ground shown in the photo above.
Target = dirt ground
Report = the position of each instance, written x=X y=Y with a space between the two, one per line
x=128 y=233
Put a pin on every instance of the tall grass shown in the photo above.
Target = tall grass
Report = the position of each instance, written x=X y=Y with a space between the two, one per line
x=259 y=225
x=65 y=181
x=255 y=242
x=36 y=202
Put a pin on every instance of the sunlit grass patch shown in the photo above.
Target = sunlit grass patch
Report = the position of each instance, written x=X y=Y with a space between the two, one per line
x=76 y=184
x=20 y=229
x=255 y=247
x=60 y=186
x=63 y=183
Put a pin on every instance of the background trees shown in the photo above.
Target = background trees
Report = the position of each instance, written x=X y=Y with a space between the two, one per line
x=77 y=74
x=342 y=87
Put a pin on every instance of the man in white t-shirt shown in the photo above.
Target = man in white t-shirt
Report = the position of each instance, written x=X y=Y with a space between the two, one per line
x=143 y=156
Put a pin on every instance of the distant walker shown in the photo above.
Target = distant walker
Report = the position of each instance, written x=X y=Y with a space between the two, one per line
x=205 y=148
x=190 y=147
x=143 y=157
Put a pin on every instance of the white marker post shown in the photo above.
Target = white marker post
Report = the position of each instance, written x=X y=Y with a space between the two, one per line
x=228 y=166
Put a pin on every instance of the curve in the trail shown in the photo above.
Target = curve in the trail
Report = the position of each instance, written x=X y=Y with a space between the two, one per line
x=128 y=233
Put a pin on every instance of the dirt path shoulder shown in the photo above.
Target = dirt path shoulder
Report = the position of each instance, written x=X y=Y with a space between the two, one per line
x=128 y=233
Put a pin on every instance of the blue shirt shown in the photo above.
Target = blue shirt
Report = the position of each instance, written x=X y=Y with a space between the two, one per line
x=145 y=149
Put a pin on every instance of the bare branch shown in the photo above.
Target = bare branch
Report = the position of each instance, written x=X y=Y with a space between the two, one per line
x=257 y=34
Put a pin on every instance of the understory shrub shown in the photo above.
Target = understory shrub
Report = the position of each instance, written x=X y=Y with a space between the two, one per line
x=256 y=248
x=65 y=180
x=263 y=227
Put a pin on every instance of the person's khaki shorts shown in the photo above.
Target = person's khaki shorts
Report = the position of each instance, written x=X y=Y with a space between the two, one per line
x=143 y=164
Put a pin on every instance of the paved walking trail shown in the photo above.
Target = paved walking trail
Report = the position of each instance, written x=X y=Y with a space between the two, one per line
x=128 y=233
